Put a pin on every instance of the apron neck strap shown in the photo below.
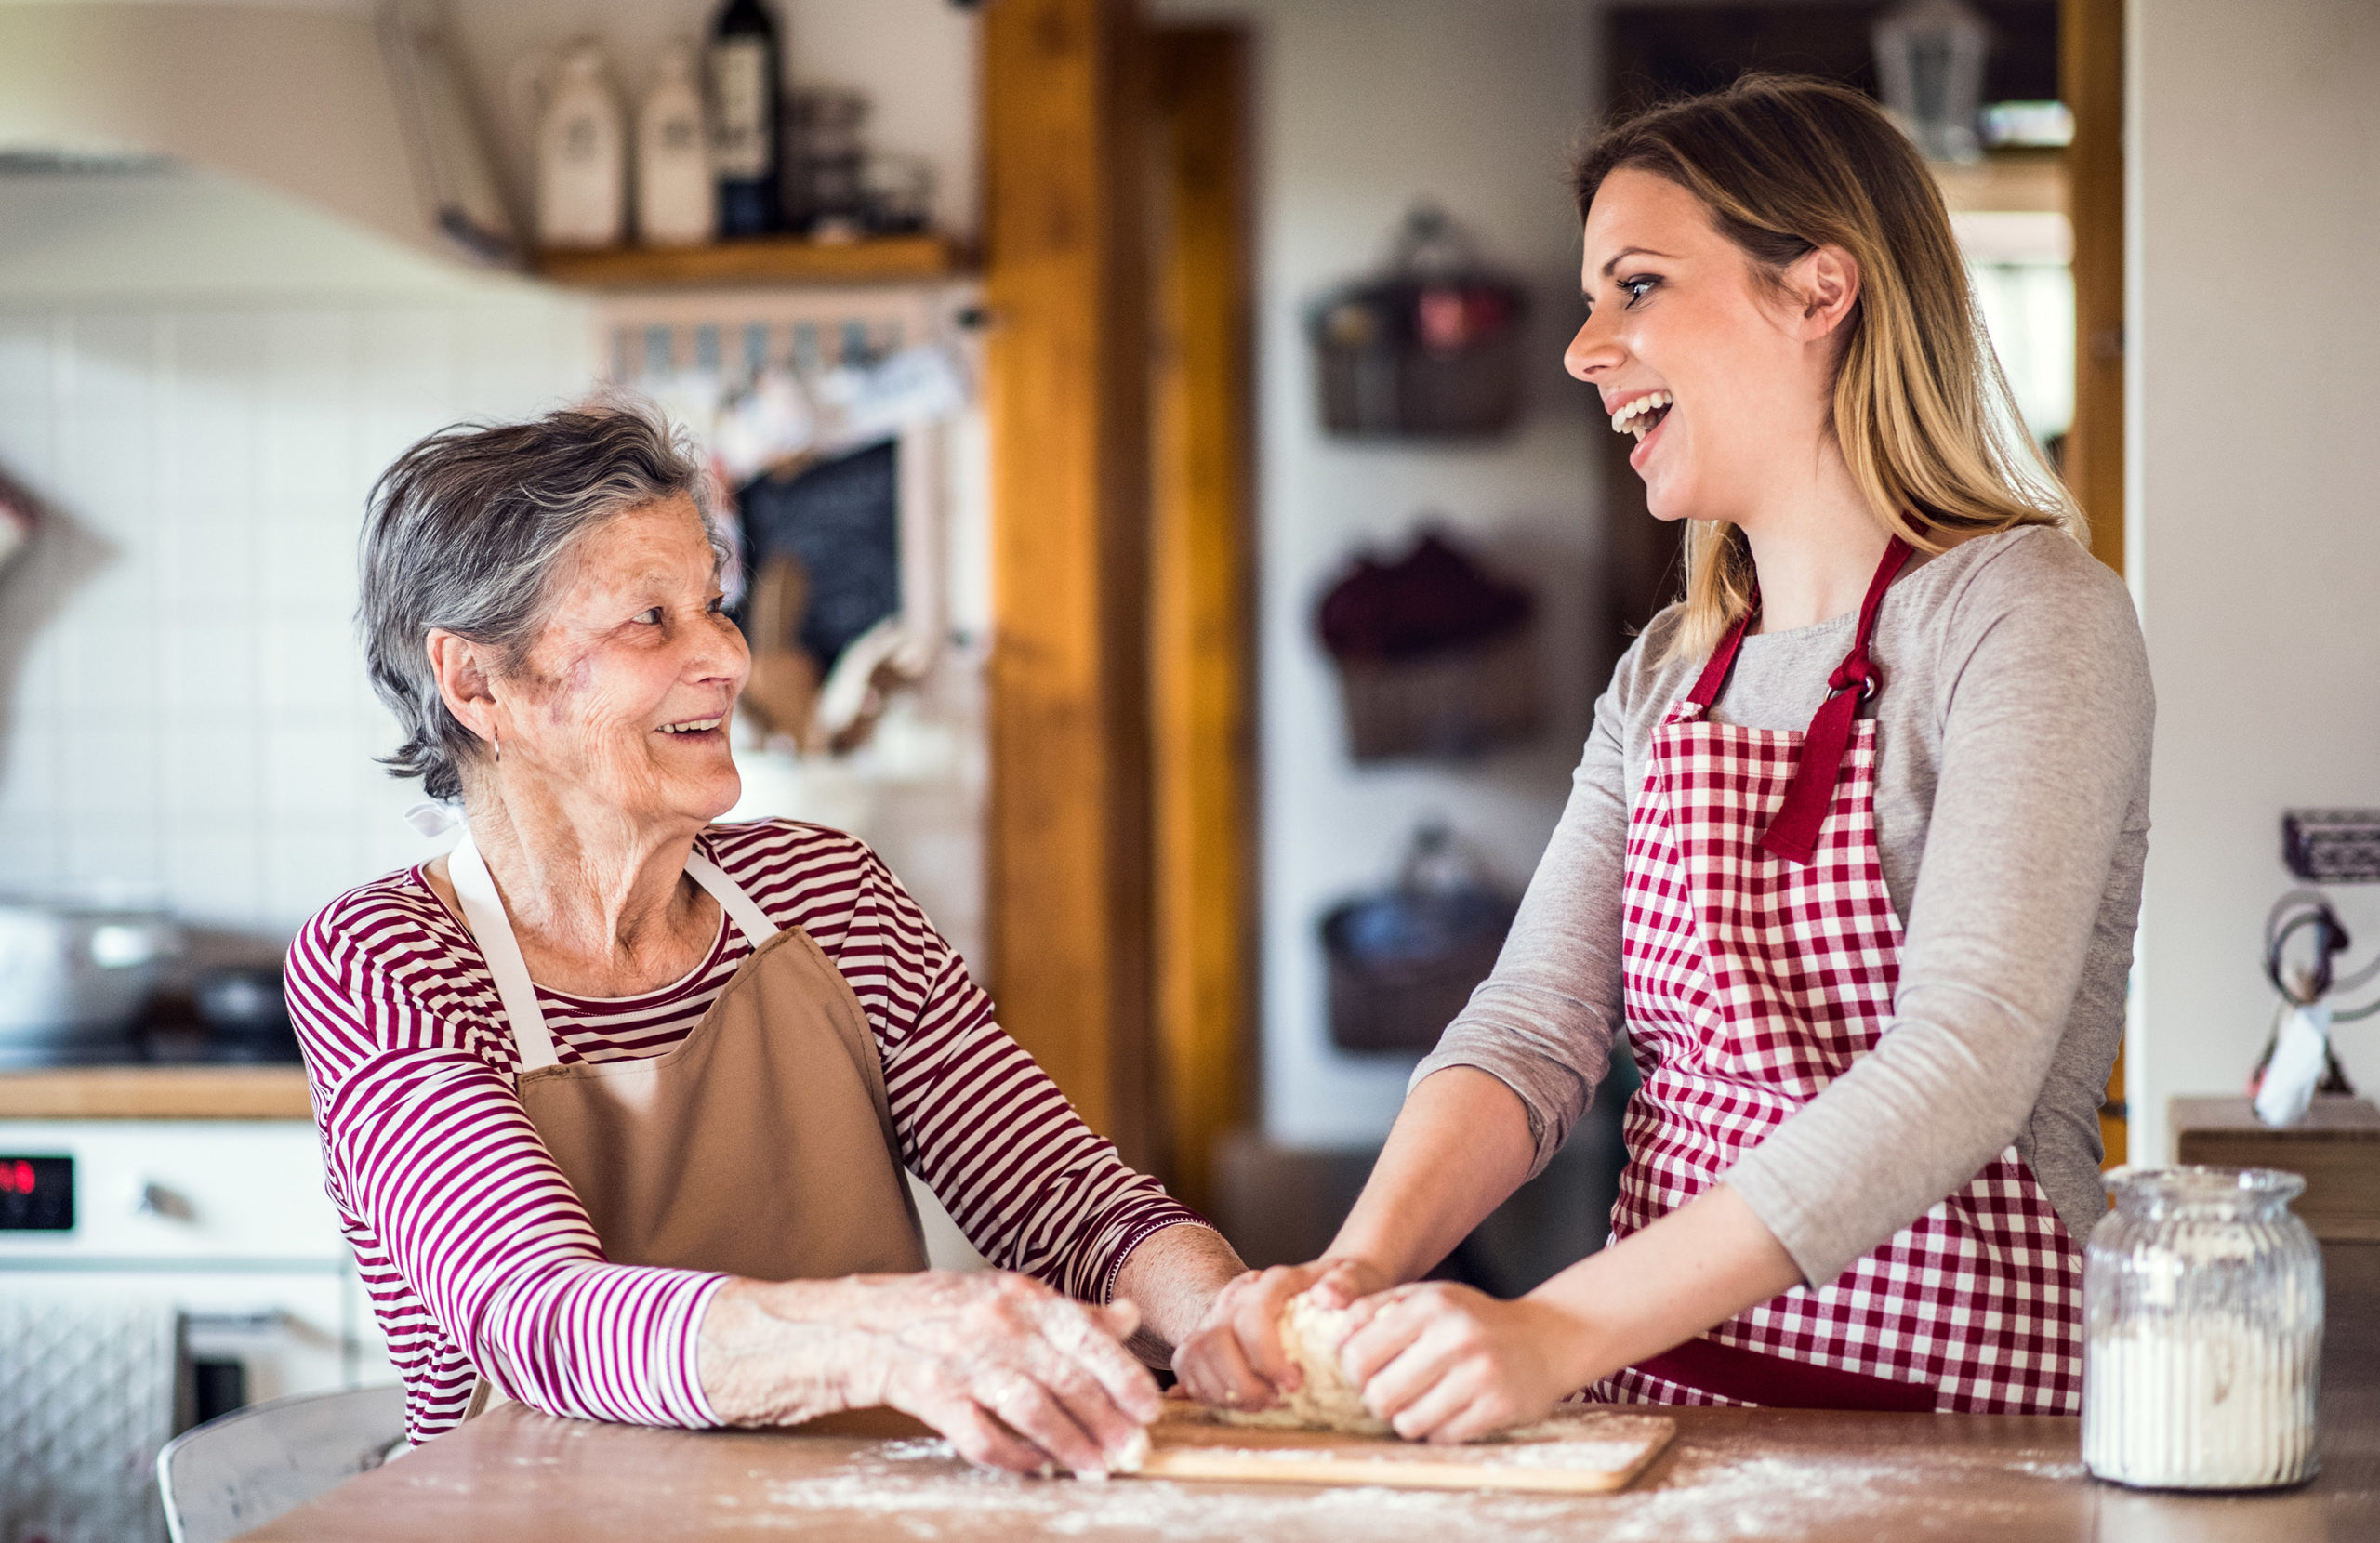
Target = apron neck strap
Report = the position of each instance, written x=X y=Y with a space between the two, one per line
x=490 y=928
x=1794 y=834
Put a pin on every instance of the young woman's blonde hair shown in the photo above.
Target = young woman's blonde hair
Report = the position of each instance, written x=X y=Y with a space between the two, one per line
x=1924 y=418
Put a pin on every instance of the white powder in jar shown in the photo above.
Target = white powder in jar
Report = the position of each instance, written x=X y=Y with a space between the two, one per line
x=2200 y=1402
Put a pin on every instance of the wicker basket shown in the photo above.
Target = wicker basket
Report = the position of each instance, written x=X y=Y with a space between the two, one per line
x=1429 y=349
x=1449 y=704
x=1402 y=963
x=1401 y=391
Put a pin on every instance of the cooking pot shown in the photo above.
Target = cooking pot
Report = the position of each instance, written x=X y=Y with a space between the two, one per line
x=77 y=974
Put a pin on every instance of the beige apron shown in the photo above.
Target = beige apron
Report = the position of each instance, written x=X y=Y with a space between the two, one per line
x=761 y=1145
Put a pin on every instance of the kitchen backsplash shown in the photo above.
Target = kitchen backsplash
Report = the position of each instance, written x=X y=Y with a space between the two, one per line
x=183 y=711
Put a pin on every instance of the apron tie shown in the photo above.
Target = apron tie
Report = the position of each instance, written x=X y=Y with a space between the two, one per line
x=1794 y=834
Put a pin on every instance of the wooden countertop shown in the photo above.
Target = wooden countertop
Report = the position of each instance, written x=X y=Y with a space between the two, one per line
x=276 y=1093
x=1731 y=1474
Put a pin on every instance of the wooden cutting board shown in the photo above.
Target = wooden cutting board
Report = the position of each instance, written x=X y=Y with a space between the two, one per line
x=1577 y=1454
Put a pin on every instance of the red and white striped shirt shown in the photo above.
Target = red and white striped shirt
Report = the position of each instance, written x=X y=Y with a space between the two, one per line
x=474 y=1250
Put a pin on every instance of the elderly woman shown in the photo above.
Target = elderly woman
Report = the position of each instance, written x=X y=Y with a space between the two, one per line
x=614 y=1100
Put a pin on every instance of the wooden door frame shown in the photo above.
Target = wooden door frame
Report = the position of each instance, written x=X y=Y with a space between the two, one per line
x=2091 y=71
x=1201 y=679
x=1066 y=385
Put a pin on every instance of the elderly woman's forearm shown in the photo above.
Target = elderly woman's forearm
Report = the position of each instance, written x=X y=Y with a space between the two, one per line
x=1460 y=1147
x=764 y=1356
x=1171 y=1277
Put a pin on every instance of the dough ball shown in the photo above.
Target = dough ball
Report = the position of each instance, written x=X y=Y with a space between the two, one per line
x=1326 y=1398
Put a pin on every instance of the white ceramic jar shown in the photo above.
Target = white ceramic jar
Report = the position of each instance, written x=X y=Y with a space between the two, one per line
x=582 y=156
x=677 y=203
x=2202 y=1337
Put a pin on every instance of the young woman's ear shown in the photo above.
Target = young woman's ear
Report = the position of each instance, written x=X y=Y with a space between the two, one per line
x=1824 y=285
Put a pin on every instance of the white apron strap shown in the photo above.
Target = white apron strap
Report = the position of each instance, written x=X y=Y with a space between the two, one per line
x=492 y=927
x=483 y=912
x=749 y=918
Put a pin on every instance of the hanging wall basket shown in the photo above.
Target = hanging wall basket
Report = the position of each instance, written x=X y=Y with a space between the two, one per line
x=1430 y=348
x=1437 y=657
x=1403 y=961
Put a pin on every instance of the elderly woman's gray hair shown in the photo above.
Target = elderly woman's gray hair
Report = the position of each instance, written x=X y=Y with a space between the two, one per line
x=468 y=529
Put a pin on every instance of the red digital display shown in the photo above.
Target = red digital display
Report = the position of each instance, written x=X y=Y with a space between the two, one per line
x=37 y=1195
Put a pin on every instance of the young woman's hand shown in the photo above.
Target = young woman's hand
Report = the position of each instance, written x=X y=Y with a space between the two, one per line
x=1015 y=1375
x=1235 y=1361
x=1444 y=1362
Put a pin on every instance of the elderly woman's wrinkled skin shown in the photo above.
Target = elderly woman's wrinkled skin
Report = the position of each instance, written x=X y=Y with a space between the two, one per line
x=607 y=755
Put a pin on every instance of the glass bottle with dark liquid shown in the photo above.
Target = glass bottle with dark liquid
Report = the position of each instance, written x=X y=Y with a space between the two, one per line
x=746 y=62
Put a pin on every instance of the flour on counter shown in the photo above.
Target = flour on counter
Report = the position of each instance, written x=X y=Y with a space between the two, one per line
x=1700 y=1496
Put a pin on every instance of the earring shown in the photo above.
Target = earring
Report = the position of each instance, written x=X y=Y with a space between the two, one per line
x=498 y=739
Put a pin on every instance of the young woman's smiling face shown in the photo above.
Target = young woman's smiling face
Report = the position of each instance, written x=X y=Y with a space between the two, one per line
x=1726 y=381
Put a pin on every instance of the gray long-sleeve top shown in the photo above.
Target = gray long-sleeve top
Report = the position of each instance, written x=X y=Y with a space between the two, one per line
x=2012 y=810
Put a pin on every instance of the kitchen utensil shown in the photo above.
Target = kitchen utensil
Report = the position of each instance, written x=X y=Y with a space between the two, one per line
x=243 y=1003
x=1574 y=1453
x=73 y=974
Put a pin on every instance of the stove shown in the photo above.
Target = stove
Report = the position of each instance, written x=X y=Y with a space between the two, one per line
x=160 y=1049
x=169 y=1034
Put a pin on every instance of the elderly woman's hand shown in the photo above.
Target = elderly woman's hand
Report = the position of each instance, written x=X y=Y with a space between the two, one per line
x=1235 y=1361
x=983 y=1357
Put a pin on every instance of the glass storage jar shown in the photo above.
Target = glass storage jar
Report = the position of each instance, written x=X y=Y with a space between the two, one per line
x=2202 y=1331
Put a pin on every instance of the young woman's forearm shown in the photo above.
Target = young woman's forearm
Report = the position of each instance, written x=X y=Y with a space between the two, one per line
x=1460 y=1147
x=1698 y=1266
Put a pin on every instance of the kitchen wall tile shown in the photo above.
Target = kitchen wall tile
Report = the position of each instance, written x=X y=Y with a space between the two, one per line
x=308 y=769
x=27 y=359
x=215 y=874
x=210 y=665
x=209 y=772
x=112 y=766
x=308 y=861
x=182 y=698
x=33 y=853
x=309 y=667
x=117 y=858
x=113 y=668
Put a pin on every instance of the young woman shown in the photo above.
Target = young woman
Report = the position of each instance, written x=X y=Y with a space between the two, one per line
x=1854 y=855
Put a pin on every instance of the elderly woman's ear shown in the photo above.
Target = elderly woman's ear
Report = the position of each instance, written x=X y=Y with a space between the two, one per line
x=463 y=683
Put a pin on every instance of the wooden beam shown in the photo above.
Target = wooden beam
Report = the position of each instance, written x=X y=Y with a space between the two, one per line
x=1066 y=397
x=2090 y=67
x=1200 y=685
x=2091 y=77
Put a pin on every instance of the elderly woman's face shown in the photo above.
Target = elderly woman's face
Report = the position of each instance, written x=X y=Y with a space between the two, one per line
x=624 y=696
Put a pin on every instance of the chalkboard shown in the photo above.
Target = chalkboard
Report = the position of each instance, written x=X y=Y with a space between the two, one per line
x=841 y=520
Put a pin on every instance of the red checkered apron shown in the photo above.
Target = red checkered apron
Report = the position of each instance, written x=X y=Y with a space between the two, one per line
x=1759 y=952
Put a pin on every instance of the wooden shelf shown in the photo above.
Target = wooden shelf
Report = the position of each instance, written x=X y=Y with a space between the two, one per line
x=762 y=260
x=157 y=1093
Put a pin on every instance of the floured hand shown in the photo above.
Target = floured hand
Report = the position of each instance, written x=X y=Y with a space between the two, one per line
x=1016 y=1376
x=1325 y=1397
x=1237 y=1359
